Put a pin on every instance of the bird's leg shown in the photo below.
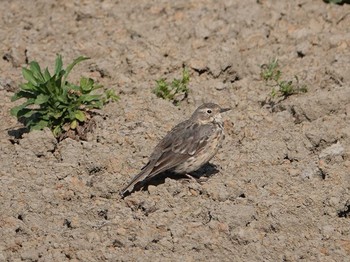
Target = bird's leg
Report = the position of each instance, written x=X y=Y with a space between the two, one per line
x=199 y=180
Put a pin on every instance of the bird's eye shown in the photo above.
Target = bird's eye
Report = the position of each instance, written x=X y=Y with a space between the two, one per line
x=209 y=111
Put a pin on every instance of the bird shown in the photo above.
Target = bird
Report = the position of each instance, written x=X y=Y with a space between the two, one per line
x=187 y=147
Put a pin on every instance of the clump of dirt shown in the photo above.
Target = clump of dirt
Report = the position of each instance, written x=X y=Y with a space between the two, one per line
x=281 y=190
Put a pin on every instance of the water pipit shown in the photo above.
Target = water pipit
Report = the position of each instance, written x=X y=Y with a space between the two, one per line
x=187 y=147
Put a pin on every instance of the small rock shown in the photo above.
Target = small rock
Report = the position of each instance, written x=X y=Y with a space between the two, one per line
x=303 y=48
x=327 y=231
x=198 y=65
x=30 y=254
x=93 y=237
x=8 y=84
x=39 y=142
x=194 y=192
x=220 y=86
x=333 y=150
x=293 y=172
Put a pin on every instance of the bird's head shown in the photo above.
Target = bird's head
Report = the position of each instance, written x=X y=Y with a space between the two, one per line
x=208 y=113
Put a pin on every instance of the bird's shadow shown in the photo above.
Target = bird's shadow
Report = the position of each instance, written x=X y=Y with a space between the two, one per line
x=206 y=171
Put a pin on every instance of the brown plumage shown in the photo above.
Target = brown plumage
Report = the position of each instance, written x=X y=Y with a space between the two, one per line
x=187 y=147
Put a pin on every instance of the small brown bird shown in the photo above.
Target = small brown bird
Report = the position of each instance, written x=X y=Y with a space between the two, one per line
x=187 y=147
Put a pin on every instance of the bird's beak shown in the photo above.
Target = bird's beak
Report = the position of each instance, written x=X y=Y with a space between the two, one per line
x=222 y=110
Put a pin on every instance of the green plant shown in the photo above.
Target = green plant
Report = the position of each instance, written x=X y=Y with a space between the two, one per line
x=175 y=91
x=272 y=76
x=53 y=102
x=270 y=71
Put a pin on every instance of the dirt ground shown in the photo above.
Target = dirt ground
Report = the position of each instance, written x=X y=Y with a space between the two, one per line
x=282 y=190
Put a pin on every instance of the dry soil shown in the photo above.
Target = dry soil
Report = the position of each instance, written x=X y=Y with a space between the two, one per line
x=282 y=190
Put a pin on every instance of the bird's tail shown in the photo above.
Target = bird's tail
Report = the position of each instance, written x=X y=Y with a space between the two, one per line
x=139 y=177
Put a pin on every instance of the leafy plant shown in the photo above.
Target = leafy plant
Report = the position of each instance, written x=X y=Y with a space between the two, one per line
x=282 y=88
x=53 y=102
x=175 y=91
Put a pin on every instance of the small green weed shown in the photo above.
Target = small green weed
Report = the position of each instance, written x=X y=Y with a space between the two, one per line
x=53 y=102
x=282 y=88
x=175 y=91
x=270 y=71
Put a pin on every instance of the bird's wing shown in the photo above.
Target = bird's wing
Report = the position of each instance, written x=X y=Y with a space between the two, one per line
x=186 y=140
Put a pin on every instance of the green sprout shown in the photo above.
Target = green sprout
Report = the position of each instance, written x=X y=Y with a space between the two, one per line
x=270 y=71
x=175 y=91
x=282 y=88
x=53 y=102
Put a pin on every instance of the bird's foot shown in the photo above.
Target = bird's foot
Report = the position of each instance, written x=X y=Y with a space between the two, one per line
x=199 y=180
